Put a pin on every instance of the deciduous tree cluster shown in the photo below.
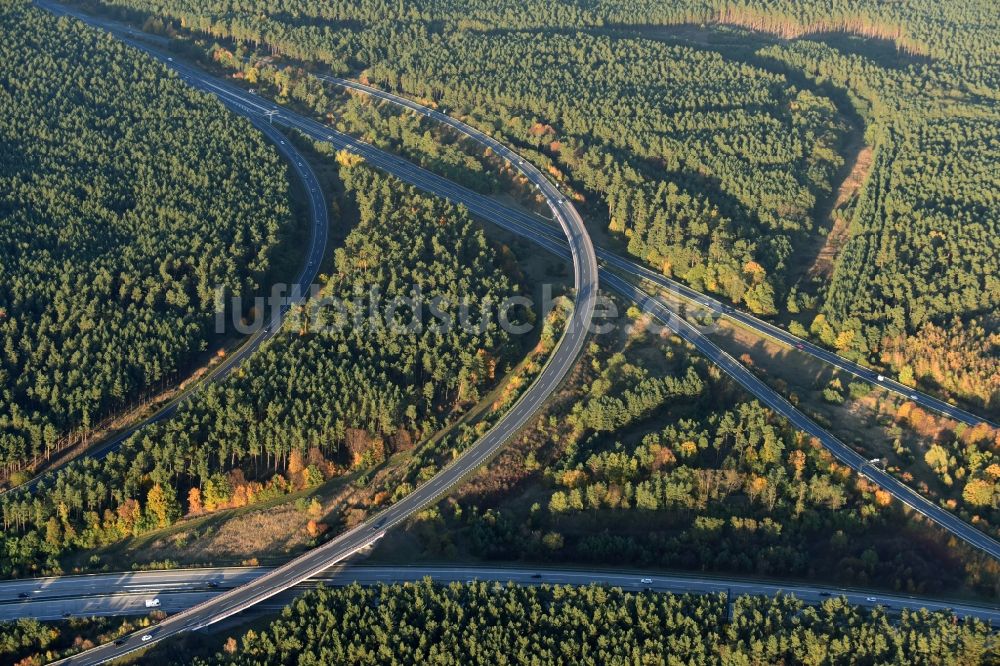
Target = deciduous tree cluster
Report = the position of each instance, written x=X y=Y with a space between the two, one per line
x=702 y=480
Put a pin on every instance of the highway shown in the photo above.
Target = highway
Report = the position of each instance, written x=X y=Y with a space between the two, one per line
x=494 y=211
x=843 y=453
x=702 y=300
x=586 y=278
x=125 y=593
x=559 y=363
x=537 y=230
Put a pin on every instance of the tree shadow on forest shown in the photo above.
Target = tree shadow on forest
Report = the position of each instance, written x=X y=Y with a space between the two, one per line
x=884 y=52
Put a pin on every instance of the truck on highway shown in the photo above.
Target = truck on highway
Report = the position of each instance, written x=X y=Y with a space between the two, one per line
x=152 y=603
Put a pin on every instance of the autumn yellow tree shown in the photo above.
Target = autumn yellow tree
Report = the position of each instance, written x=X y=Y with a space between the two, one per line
x=979 y=492
x=757 y=485
x=194 y=501
x=162 y=506
x=315 y=528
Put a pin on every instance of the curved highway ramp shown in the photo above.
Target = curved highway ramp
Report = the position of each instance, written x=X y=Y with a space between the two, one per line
x=540 y=231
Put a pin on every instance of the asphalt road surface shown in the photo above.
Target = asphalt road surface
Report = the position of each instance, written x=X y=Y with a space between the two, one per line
x=779 y=404
x=559 y=363
x=702 y=300
x=537 y=230
x=586 y=280
x=534 y=227
x=125 y=593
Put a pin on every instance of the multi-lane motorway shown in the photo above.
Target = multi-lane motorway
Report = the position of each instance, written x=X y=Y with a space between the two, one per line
x=586 y=276
x=125 y=593
x=533 y=227
x=537 y=230
x=560 y=361
x=542 y=233
x=703 y=301
x=779 y=404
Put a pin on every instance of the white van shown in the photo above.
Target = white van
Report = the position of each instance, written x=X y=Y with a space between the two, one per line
x=152 y=603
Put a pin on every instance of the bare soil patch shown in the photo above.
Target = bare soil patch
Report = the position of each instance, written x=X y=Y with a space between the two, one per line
x=841 y=220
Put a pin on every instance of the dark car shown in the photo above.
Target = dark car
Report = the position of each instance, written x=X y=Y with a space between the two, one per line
x=213 y=584
x=67 y=615
x=120 y=642
x=824 y=594
x=24 y=595
x=536 y=576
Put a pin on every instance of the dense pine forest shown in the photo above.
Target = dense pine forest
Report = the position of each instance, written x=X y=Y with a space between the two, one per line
x=710 y=169
x=708 y=165
x=428 y=623
x=924 y=251
x=675 y=129
x=708 y=139
x=329 y=394
x=125 y=200
x=489 y=623
x=961 y=32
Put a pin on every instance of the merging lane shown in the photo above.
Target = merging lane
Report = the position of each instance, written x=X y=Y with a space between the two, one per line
x=125 y=593
x=540 y=231
x=702 y=300
x=438 y=185
x=560 y=361
x=534 y=228
x=537 y=230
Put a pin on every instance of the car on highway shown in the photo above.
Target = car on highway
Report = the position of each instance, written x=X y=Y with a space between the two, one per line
x=536 y=576
x=646 y=581
x=120 y=642
x=377 y=526
x=24 y=595
x=871 y=598
x=914 y=396
x=824 y=594
x=147 y=637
